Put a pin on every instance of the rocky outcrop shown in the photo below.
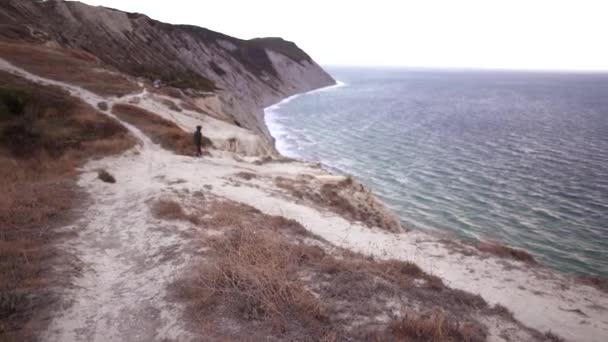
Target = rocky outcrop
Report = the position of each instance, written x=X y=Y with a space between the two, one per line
x=244 y=75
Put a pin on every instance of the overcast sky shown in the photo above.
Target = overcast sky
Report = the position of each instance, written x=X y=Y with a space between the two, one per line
x=513 y=34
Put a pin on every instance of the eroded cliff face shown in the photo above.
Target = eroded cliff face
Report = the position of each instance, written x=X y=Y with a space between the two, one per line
x=238 y=78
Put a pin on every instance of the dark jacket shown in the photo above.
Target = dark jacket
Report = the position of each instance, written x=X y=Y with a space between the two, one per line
x=198 y=138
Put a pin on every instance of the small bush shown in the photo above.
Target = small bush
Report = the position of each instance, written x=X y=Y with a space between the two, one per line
x=501 y=310
x=551 y=337
x=171 y=210
x=506 y=252
x=435 y=327
x=102 y=106
x=246 y=175
x=12 y=101
x=106 y=176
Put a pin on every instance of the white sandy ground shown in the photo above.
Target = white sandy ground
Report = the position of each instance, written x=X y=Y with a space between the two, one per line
x=122 y=294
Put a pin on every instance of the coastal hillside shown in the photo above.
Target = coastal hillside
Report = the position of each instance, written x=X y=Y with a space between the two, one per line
x=113 y=229
x=240 y=76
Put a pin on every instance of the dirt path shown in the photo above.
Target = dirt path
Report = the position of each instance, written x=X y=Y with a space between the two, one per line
x=122 y=294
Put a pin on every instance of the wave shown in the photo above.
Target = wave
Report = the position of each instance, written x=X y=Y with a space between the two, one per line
x=445 y=164
x=282 y=133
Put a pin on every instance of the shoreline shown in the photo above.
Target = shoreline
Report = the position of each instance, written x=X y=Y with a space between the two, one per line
x=273 y=126
x=542 y=297
x=277 y=130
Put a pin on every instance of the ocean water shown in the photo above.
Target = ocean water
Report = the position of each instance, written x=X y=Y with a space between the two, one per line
x=515 y=157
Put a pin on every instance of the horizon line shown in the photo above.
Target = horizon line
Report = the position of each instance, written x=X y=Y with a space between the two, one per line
x=465 y=68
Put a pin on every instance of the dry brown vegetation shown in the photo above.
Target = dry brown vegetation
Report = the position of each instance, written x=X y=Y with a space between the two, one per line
x=68 y=65
x=597 y=282
x=551 y=337
x=44 y=135
x=169 y=209
x=506 y=252
x=433 y=327
x=161 y=131
x=330 y=196
x=267 y=278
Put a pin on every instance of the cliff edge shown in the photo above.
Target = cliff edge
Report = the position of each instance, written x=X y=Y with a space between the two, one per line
x=241 y=77
x=112 y=229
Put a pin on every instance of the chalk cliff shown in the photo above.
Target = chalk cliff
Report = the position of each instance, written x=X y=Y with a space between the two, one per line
x=230 y=77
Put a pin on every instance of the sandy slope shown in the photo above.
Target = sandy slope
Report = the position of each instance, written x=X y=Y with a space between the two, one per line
x=122 y=294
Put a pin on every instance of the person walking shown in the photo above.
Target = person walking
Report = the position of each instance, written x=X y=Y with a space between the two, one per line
x=198 y=141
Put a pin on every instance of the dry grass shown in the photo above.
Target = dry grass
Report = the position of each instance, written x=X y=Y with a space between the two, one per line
x=67 y=65
x=44 y=135
x=171 y=210
x=255 y=274
x=161 y=131
x=506 y=252
x=597 y=282
x=434 y=327
x=551 y=337
x=338 y=198
x=228 y=214
x=264 y=279
x=330 y=195
x=290 y=186
x=36 y=120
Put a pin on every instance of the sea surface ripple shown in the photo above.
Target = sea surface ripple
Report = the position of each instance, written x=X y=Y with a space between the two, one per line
x=515 y=157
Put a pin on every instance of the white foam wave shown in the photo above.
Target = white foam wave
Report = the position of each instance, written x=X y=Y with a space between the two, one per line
x=280 y=132
x=339 y=84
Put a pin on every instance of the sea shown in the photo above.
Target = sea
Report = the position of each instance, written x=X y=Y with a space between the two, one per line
x=515 y=157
